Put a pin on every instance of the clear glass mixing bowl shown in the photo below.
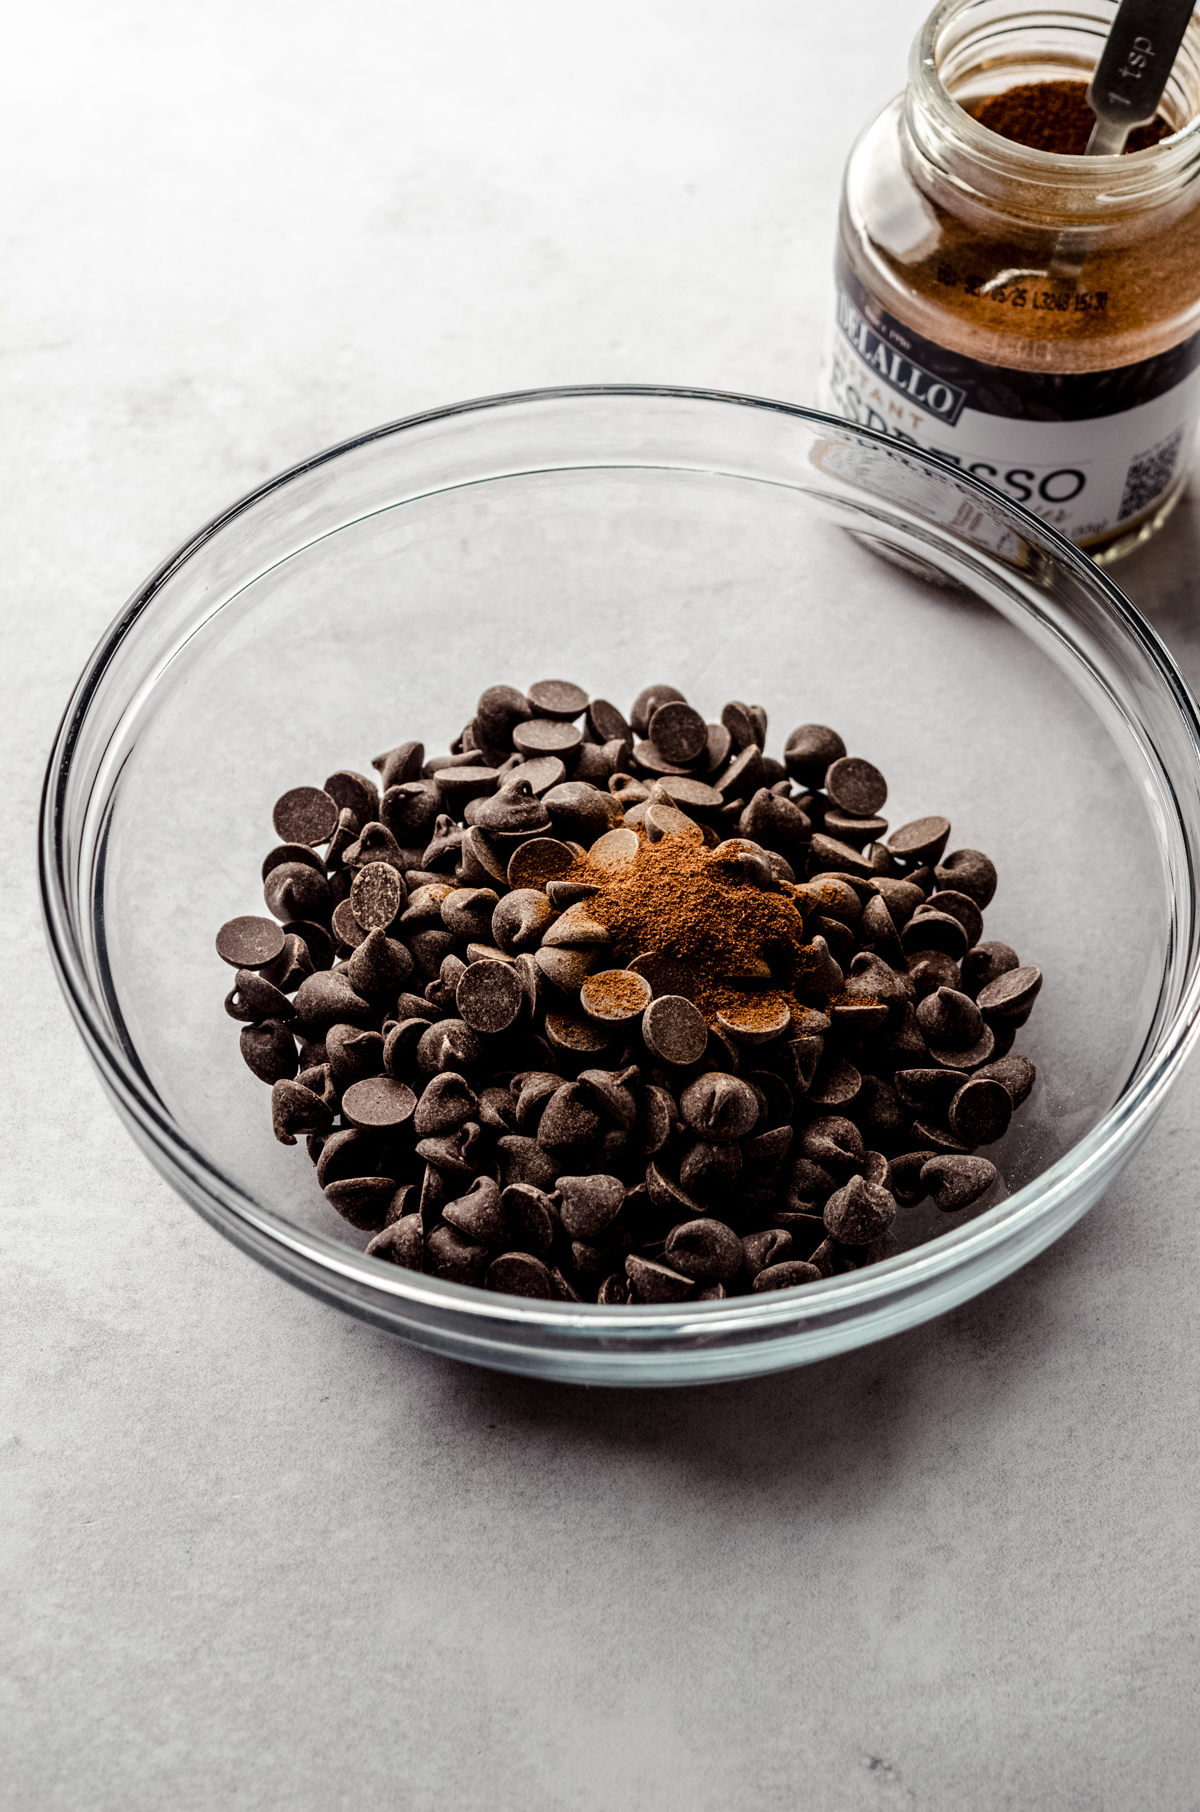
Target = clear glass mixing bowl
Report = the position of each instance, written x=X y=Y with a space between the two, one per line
x=617 y=536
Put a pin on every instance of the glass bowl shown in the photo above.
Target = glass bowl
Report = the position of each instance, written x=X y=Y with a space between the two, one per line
x=618 y=536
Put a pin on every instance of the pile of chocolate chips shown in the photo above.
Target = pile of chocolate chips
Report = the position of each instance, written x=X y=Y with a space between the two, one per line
x=504 y=1091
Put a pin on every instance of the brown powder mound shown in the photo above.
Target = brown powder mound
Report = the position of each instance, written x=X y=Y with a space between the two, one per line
x=1053 y=116
x=680 y=900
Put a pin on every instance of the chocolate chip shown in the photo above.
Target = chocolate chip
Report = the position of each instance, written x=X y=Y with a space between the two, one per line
x=607 y=724
x=379 y=967
x=363 y=1201
x=467 y=912
x=720 y=1107
x=450 y=1044
x=1016 y=1073
x=969 y=871
x=455 y=1259
x=539 y=860
x=1011 y=995
x=956 y=1182
x=499 y=711
x=353 y=1054
x=859 y=1212
x=478 y=1213
x=833 y=1142
x=401 y=764
x=921 y=841
x=519 y=1274
x=704 y=1250
x=557 y=699
x=377 y=894
x=402 y=1242
x=377 y=1102
x=949 y=1020
x=933 y=969
x=810 y=751
x=352 y=792
x=958 y=906
x=328 y=999
x=293 y=852
x=581 y=813
x=269 y=1051
x=648 y=700
x=654 y=1282
x=678 y=732
x=589 y=1204
x=674 y=1030
x=447 y=1102
x=490 y=997
x=577 y=925
x=253 y=999
x=614 y=995
x=929 y=1092
x=305 y=815
x=855 y=831
x=986 y=963
x=546 y=736
x=932 y=930
x=528 y=1217
x=856 y=786
x=980 y=1112
x=296 y=1109
x=785 y=1276
x=520 y=919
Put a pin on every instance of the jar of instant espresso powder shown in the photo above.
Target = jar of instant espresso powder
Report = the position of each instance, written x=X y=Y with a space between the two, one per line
x=1030 y=313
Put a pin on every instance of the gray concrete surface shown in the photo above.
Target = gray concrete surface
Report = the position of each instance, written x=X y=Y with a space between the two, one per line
x=257 y=1556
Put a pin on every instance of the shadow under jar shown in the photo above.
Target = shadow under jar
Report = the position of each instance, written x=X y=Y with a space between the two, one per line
x=1033 y=317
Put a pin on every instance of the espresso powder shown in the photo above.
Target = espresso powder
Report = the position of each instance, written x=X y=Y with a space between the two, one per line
x=687 y=903
x=1053 y=116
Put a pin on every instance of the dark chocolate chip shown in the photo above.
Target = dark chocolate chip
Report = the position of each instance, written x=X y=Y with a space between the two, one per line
x=269 y=1051
x=720 y=1107
x=980 y=1112
x=810 y=751
x=490 y=997
x=856 y=786
x=706 y=1250
x=969 y=871
x=949 y=1020
x=1011 y=995
x=678 y=732
x=921 y=841
x=956 y=1182
x=648 y=700
x=674 y=1030
x=589 y=1204
x=478 y=1213
x=352 y=792
x=305 y=815
x=401 y=764
x=654 y=1282
x=1016 y=1073
x=859 y=1212
x=402 y=1242
x=377 y=895
x=546 y=736
x=450 y=1256
x=785 y=1276
x=377 y=1102
x=363 y=1201
x=557 y=699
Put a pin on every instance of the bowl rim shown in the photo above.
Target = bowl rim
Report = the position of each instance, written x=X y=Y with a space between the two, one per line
x=175 y=1155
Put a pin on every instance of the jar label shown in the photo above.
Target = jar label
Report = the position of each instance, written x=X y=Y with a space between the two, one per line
x=1089 y=452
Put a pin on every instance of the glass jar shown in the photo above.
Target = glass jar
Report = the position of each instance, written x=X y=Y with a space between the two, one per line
x=1034 y=318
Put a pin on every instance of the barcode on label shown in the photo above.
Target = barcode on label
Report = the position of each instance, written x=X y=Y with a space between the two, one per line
x=1149 y=475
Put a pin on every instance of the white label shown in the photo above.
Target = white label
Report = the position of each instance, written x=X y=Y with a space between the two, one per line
x=1088 y=478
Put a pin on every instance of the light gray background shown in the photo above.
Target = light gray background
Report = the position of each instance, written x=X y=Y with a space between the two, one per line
x=258 y=1556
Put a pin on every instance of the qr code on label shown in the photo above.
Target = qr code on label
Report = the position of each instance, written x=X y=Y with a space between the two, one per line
x=1149 y=475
